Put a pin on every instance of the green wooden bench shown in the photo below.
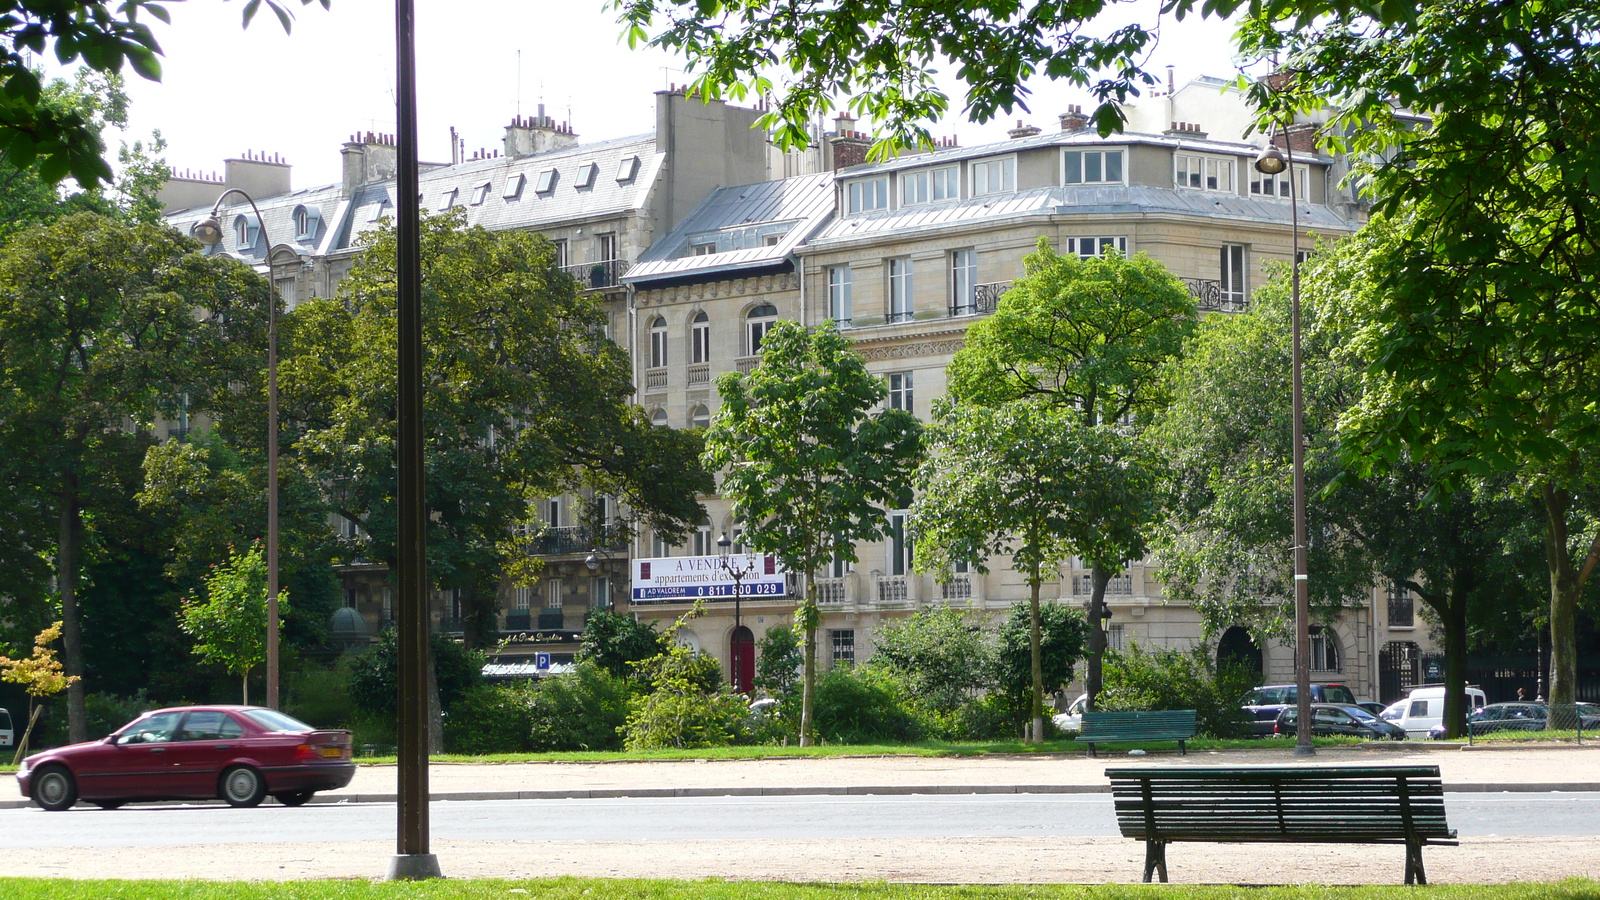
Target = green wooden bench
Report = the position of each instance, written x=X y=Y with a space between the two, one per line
x=1311 y=805
x=1118 y=727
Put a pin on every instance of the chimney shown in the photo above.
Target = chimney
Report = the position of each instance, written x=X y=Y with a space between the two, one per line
x=529 y=135
x=848 y=147
x=257 y=174
x=1186 y=129
x=1073 y=120
x=1302 y=139
x=369 y=159
x=190 y=190
x=1024 y=131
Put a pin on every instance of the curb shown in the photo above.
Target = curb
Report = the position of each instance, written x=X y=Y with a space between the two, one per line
x=841 y=791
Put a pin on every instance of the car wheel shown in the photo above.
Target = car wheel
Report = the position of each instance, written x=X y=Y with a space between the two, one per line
x=294 y=798
x=243 y=787
x=53 y=788
x=109 y=804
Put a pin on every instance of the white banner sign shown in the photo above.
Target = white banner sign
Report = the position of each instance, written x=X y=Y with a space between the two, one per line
x=677 y=579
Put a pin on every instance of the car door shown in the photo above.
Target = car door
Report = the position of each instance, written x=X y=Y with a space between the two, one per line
x=139 y=762
x=206 y=741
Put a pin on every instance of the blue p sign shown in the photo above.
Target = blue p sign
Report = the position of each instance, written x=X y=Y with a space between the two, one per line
x=541 y=661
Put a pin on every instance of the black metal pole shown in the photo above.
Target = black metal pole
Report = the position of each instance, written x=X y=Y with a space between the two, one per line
x=412 y=861
x=1302 y=580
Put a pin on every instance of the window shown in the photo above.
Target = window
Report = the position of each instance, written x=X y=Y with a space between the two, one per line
x=900 y=290
x=1092 y=167
x=605 y=246
x=627 y=168
x=1090 y=247
x=546 y=182
x=1233 y=282
x=840 y=300
x=1324 y=650
x=552 y=594
x=1278 y=185
x=305 y=223
x=1115 y=639
x=586 y=173
x=552 y=512
x=561 y=253
x=658 y=343
x=771 y=240
x=963 y=282
x=900 y=391
x=514 y=186
x=930 y=186
x=659 y=548
x=994 y=176
x=867 y=195
x=1204 y=173
x=700 y=418
x=705 y=249
x=1401 y=613
x=379 y=209
x=244 y=233
x=448 y=201
x=843 y=641
x=899 y=543
x=700 y=339
x=702 y=542
x=522 y=598
x=481 y=193
x=758 y=322
x=659 y=418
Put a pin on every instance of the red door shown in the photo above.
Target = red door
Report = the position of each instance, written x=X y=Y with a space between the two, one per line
x=742 y=653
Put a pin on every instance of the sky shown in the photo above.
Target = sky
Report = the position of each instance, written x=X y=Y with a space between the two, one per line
x=226 y=90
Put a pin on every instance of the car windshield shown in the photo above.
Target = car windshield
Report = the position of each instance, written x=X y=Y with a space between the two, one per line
x=1395 y=710
x=272 y=720
x=1338 y=693
x=1360 y=714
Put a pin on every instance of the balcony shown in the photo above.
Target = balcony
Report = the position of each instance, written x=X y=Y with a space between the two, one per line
x=830 y=591
x=598 y=275
x=746 y=363
x=551 y=619
x=518 y=620
x=655 y=381
x=891 y=590
x=985 y=299
x=959 y=587
x=576 y=540
x=698 y=373
x=1210 y=297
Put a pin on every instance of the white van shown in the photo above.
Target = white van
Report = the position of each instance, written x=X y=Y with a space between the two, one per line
x=7 y=737
x=1424 y=708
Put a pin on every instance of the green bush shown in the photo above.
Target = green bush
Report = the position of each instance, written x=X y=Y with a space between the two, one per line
x=1137 y=679
x=490 y=718
x=374 y=674
x=320 y=696
x=687 y=720
x=941 y=657
x=584 y=709
x=1062 y=638
x=865 y=706
x=105 y=712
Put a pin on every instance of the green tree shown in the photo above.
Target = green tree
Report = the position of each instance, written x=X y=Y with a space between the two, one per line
x=229 y=625
x=40 y=675
x=617 y=642
x=1060 y=632
x=1227 y=436
x=524 y=397
x=778 y=662
x=374 y=679
x=687 y=705
x=1482 y=340
x=65 y=141
x=1027 y=479
x=1138 y=679
x=941 y=656
x=808 y=463
x=104 y=325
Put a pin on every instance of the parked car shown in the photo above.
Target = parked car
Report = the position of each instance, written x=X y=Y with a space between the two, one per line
x=1423 y=708
x=7 y=736
x=1263 y=704
x=1372 y=706
x=1519 y=717
x=1071 y=721
x=1339 y=720
x=238 y=753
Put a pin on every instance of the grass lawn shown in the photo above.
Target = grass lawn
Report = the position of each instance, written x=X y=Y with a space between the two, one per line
x=622 y=889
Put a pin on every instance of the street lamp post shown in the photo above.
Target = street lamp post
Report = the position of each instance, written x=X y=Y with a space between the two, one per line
x=738 y=572
x=209 y=232
x=1271 y=162
x=594 y=563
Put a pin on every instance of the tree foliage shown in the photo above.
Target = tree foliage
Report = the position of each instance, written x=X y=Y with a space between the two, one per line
x=617 y=642
x=940 y=655
x=809 y=461
x=1140 y=679
x=1062 y=632
x=229 y=624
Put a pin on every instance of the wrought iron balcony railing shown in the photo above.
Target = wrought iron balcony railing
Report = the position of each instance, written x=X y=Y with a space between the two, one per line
x=606 y=273
x=1210 y=297
x=576 y=539
x=985 y=299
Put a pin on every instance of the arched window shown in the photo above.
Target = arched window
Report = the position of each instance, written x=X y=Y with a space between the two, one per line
x=1324 y=650
x=758 y=322
x=700 y=418
x=700 y=339
x=658 y=343
x=244 y=232
x=659 y=418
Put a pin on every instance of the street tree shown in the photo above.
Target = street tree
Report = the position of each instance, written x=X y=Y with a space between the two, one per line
x=810 y=461
x=1027 y=479
x=524 y=397
x=104 y=326
x=1088 y=336
x=229 y=623
x=1227 y=436
x=40 y=675
x=1060 y=646
x=616 y=642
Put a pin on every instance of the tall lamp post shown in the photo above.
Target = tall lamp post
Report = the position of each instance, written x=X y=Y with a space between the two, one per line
x=209 y=232
x=1272 y=162
x=738 y=572
x=595 y=564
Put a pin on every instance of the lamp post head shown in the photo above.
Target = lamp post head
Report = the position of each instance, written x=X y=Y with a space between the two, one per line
x=208 y=232
x=1270 y=161
x=723 y=544
x=592 y=561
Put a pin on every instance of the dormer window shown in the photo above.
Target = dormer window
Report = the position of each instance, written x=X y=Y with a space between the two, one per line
x=586 y=174
x=546 y=182
x=306 y=220
x=994 y=176
x=244 y=232
x=867 y=195
x=1204 y=173
x=627 y=169
x=930 y=185
x=514 y=186
x=449 y=199
x=1092 y=167
x=379 y=209
x=481 y=193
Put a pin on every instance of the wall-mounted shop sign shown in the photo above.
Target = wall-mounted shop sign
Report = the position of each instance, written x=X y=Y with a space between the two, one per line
x=678 y=579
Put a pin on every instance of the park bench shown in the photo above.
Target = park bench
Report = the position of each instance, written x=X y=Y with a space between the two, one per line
x=1120 y=727
x=1310 y=805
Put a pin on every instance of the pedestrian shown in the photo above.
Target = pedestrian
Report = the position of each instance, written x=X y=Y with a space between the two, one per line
x=1522 y=695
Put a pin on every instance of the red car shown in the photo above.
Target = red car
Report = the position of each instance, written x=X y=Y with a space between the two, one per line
x=238 y=753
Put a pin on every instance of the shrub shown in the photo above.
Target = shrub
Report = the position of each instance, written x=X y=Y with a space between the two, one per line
x=374 y=675
x=865 y=706
x=1137 y=679
x=616 y=642
x=778 y=676
x=321 y=696
x=1061 y=642
x=687 y=720
x=108 y=712
x=584 y=709
x=939 y=656
x=490 y=718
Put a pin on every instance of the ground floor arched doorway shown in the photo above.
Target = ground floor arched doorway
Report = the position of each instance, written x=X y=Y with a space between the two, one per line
x=1399 y=670
x=742 y=659
x=1239 y=648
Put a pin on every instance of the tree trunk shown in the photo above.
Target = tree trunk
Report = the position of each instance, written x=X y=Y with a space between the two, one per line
x=1035 y=663
x=1094 y=679
x=1455 y=662
x=1564 y=590
x=71 y=528
x=435 y=707
x=245 y=680
x=808 y=688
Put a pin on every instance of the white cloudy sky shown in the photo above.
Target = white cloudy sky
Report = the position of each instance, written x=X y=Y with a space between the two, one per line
x=226 y=90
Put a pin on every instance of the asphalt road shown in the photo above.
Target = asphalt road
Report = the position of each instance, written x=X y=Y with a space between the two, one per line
x=698 y=818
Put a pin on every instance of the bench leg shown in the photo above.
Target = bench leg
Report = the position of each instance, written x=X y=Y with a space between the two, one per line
x=1091 y=752
x=1414 y=871
x=1181 y=750
x=1155 y=860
